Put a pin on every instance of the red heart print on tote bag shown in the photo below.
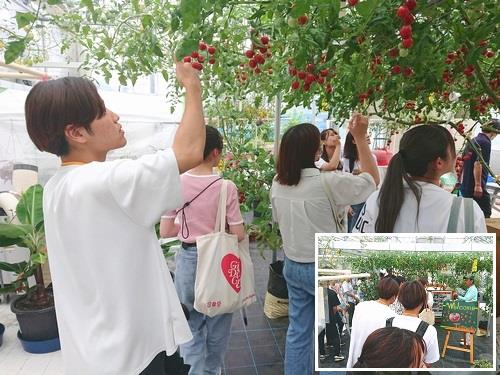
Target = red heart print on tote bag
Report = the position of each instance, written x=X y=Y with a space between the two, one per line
x=231 y=268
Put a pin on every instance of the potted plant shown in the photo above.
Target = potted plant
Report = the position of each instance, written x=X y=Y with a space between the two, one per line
x=34 y=305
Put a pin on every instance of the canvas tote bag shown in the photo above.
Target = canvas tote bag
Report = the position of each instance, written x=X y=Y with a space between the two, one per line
x=224 y=274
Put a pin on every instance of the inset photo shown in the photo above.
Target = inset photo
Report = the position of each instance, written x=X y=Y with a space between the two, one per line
x=405 y=301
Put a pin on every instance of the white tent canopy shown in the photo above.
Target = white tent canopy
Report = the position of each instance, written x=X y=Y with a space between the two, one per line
x=146 y=119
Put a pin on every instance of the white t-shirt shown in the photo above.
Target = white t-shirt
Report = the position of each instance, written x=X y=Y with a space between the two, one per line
x=368 y=317
x=430 y=300
x=433 y=215
x=347 y=288
x=115 y=301
x=303 y=210
x=430 y=336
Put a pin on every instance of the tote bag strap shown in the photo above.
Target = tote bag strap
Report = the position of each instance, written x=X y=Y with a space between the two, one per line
x=328 y=193
x=220 y=220
x=453 y=220
x=469 y=215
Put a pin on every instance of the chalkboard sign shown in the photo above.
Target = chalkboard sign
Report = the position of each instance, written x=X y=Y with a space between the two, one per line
x=460 y=314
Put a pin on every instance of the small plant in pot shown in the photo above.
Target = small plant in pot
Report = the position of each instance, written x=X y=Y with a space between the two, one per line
x=34 y=306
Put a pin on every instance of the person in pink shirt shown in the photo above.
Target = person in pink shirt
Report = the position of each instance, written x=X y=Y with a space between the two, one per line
x=201 y=189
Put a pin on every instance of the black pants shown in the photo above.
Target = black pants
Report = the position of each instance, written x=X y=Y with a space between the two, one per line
x=485 y=204
x=321 y=342
x=333 y=337
x=350 y=310
x=166 y=365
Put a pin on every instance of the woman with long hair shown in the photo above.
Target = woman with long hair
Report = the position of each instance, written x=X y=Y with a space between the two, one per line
x=351 y=164
x=410 y=199
x=330 y=151
x=201 y=188
x=301 y=207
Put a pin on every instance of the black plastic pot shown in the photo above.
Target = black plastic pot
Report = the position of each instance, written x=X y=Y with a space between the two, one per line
x=2 y=330
x=277 y=283
x=36 y=325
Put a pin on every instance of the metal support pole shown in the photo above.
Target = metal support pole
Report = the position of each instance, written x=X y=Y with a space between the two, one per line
x=277 y=125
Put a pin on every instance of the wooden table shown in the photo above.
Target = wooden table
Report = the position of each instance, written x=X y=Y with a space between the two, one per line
x=493 y=226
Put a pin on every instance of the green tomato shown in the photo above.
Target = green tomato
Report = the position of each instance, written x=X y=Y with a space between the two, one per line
x=403 y=52
x=292 y=22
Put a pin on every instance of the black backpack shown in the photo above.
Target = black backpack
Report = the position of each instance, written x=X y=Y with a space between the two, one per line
x=421 y=329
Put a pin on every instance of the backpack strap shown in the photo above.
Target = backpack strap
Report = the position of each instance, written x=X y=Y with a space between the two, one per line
x=422 y=328
x=388 y=322
x=453 y=220
x=468 y=215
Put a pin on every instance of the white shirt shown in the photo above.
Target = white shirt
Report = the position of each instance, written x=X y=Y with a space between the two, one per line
x=115 y=301
x=430 y=300
x=368 y=317
x=347 y=288
x=303 y=210
x=433 y=215
x=430 y=336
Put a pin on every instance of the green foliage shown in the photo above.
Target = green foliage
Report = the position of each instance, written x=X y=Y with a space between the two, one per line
x=131 y=39
x=482 y=363
x=167 y=245
x=14 y=50
x=443 y=268
x=29 y=234
x=249 y=163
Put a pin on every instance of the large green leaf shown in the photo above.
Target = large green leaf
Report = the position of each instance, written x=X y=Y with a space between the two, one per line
x=14 y=50
x=13 y=234
x=29 y=210
x=366 y=8
x=38 y=258
x=190 y=11
x=17 y=268
x=8 y=288
x=24 y=19
x=187 y=46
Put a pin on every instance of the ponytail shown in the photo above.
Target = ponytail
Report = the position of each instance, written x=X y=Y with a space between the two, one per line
x=391 y=196
x=419 y=146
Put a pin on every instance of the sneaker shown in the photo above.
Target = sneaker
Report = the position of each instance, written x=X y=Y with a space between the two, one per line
x=322 y=357
x=342 y=343
x=338 y=358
